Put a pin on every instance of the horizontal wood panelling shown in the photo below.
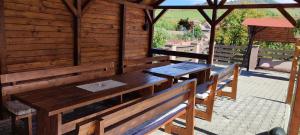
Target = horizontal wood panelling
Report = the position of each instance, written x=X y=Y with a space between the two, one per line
x=38 y=34
x=136 y=44
x=100 y=33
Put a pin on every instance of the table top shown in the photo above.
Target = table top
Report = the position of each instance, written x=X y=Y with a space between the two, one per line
x=178 y=70
x=60 y=99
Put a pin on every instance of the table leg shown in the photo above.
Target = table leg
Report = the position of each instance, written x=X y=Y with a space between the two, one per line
x=48 y=125
x=202 y=76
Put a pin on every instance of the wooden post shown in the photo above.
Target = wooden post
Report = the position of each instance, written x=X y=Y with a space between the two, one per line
x=294 y=124
x=122 y=38
x=293 y=73
x=2 y=41
x=246 y=58
x=151 y=32
x=77 y=25
x=212 y=33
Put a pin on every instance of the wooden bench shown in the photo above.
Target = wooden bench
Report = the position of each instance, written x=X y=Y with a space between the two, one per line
x=206 y=96
x=147 y=114
x=228 y=77
x=15 y=83
x=144 y=63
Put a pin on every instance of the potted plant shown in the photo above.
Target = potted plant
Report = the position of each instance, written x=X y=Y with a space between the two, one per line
x=297 y=29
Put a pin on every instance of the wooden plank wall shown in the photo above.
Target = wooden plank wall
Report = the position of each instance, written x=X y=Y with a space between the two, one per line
x=136 y=43
x=276 y=35
x=100 y=33
x=39 y=34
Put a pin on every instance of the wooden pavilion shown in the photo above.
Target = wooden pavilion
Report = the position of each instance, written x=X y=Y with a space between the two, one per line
x=267 y=29
x=47 y=34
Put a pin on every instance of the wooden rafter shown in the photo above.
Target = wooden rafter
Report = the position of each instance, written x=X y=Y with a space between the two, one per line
x=206 y=17
x=87 y=5
x=159 y=15
x=209 y=2
x=226 y=13
x=287 y=16
x=69 y=4
x=158 y=3
x=222 y=2
x=148 y=16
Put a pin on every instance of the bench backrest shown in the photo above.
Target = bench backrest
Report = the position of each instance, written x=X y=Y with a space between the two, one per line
x=15 y=83
x=120 y=120
x=144 y=63
x=228 y=72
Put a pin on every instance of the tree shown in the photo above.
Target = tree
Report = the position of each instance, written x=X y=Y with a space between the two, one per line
x=160 y=37
x=232 y=32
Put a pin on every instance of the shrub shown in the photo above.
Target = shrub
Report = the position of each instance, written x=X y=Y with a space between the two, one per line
x=185 y=24
x=160 y=37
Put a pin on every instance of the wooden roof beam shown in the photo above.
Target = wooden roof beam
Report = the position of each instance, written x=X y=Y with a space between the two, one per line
x=206 y=17
x=241 y=6
x=156 y=4
x=222 y=2
x=210 y=3
x=159 y=16
x=287 y=16
x=226 y=13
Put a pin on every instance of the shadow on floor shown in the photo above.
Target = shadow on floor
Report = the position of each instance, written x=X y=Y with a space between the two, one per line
x=261 y=74
x=196 y=128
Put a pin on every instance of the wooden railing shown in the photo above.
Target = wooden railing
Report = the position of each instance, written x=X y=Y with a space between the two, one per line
x=228 y=54
x=204 y=57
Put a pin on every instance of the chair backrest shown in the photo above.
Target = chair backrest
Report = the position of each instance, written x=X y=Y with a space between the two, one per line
x=228 y=72
x=15 y=83
x=120 y=120
x=144 y=63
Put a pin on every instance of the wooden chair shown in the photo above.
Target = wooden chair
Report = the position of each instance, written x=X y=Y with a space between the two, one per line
x=228 y=77
x=15 y=83
x=206 y=96
x=147 y=114
x=144 y=63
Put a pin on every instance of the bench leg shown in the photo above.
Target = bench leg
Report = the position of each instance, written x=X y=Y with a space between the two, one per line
x=13 y=125
x=29 y=125
x=168 y=127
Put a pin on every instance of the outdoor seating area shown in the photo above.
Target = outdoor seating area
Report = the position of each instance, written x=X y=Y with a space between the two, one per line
x=88 y=67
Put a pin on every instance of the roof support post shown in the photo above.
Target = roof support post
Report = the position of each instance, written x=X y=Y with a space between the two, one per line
x=294 y=124
x=122 y=39
x=75 y=7
x=151 y=32
x=212 y=33
x=3 y=66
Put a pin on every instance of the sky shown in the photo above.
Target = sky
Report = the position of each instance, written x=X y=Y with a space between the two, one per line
x=193 y=2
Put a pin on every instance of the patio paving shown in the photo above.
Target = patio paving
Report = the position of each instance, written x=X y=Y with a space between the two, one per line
x=259 y=107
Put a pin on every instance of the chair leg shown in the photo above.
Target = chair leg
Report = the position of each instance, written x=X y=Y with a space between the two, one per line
x=29 y=125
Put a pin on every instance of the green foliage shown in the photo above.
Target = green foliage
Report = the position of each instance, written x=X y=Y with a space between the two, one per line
x=160 y=37
x=231 y=30
x=197 y=32
x=163 y=23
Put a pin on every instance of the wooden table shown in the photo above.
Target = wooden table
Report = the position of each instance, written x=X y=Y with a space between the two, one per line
x=176 y=71
x=51 y=103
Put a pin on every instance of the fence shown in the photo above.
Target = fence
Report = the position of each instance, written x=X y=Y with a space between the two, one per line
x=228 y=54
x=234 y=54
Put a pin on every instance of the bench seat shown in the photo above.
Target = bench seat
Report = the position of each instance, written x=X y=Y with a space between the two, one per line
x=156 y=122
x=222 y=84
x=18 y=108
x=202 y=91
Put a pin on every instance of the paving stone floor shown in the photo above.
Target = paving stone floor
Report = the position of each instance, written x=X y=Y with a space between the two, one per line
x=258 y=108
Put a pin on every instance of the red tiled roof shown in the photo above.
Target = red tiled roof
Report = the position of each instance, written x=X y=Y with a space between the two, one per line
x=268 y=22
